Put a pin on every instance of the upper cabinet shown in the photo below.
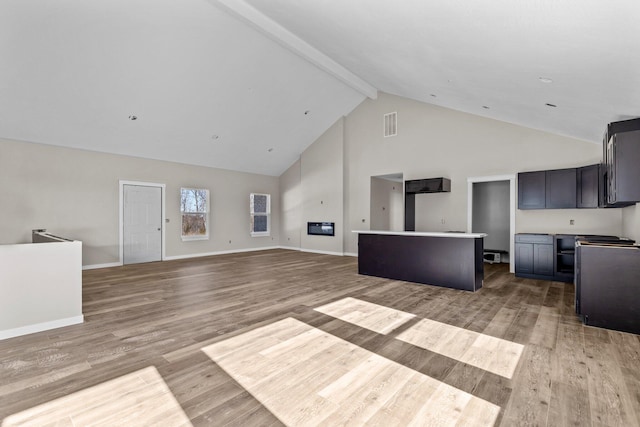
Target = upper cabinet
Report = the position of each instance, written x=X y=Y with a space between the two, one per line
x=420 y=186
x=622 y=173
x=531 y=190
x=561 y=189
x=588 y=186
x=553 y=189
x=431 y=185
x=613 y=183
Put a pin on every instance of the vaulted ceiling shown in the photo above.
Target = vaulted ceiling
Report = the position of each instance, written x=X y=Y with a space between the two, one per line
x=248 y=85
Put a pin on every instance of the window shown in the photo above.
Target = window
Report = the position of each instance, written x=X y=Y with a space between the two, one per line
x=194 y=207
x=260 y=207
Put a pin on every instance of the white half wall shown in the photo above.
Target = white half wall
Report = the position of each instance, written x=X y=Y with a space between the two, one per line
x=40 y=287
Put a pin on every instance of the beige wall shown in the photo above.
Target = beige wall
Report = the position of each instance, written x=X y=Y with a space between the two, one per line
x=387 y=205
x=291 y=207
x=631 y=222
x=74 y=193
x=321 y=172
x=434 y=141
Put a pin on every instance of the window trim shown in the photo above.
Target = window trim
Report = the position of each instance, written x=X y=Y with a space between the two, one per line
x=205 y=212
x=253 y=214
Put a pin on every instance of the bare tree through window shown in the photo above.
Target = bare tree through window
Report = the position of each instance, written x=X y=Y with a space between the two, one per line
x=194 y=206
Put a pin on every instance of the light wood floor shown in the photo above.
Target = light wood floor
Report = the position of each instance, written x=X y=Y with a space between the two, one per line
x=282 y=337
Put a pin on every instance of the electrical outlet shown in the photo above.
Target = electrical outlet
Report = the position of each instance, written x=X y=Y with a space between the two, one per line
x=571 y=222
x=443 y=221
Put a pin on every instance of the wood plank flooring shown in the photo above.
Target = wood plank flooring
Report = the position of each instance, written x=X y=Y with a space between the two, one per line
x=170 y=324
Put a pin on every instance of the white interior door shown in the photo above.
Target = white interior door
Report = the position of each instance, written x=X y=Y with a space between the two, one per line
x=142 y=224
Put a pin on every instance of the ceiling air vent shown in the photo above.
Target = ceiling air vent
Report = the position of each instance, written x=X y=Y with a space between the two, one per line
x=390 y=124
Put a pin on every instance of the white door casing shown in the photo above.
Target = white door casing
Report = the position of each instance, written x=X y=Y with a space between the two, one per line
x=142 y=224
x=512 y=209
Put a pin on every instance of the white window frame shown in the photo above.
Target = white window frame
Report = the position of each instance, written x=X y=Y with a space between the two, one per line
x=254 y=214
x=205 y=212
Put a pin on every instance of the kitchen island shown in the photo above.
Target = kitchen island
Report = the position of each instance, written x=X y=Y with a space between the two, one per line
x=452 y=260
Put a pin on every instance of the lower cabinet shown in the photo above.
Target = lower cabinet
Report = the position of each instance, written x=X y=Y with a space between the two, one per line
x=607 y=280
x=534 y=256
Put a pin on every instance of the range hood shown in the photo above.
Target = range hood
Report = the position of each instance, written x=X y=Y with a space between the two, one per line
x=429 y=185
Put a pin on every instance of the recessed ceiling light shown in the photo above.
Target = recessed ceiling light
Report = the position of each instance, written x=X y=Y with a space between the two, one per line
x=545 y=80
x=485 y=107
x=551 y=105
x=132 y=117
x=214 y=137
x=270 y=150
x=306 y=113
x=433 y=95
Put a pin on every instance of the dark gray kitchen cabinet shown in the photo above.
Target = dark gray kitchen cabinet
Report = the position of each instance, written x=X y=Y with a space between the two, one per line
x=532 y=190
x=534 y=256
x=588 y=186
x=524 y=258
x=560 y=185
x=543 y=259
x=564 y=248
x=607 y=278
x=622 y=175
x=551 y=189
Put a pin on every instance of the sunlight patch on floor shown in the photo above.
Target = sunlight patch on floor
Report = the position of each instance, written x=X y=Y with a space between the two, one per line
x=473 y=348
x=306 y=377
x=140 y=398
x=367 y=315
x=482 y=351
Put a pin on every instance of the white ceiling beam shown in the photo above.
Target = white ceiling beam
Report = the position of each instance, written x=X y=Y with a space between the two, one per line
x=275 y=31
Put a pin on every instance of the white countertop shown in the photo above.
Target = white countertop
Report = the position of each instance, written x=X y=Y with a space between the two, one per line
x=422 y=233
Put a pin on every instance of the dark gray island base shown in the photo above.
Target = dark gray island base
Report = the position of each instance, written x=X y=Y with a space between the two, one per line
x=452 y=260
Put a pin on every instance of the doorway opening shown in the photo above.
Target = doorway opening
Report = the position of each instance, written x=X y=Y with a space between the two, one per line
x=141 y=222
x=386 y=202
x=491 y=209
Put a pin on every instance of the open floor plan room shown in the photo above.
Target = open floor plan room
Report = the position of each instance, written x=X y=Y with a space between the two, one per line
x=282 y=337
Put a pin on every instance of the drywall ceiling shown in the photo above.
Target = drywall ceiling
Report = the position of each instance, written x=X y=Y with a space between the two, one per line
x=248 y=85
x=206 y=88
x=490 y=58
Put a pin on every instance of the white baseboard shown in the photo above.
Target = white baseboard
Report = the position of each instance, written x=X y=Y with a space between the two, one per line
x=313 y=251
x=289 y=248
x=39 y=327
x=107 y=265
x=233 y=251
